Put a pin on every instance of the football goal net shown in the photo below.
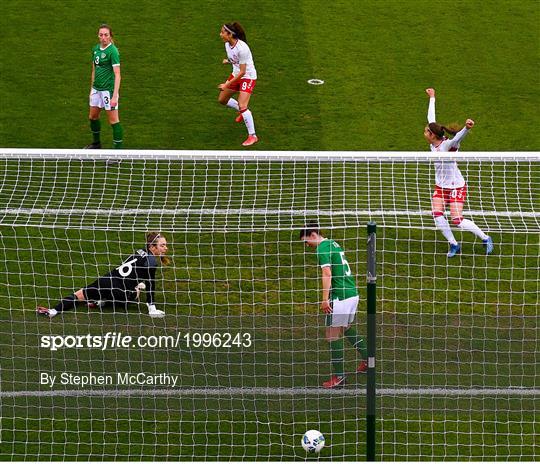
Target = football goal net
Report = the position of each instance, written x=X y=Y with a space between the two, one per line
x=235 y=368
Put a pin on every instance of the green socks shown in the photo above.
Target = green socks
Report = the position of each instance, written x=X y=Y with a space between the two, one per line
x=336 y=348
x=118 y=132
x=357 y=341
x=95 y=127
x=118 y=135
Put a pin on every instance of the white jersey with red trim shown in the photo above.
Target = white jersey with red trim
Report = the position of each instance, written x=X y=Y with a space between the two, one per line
x=447 y=173
x=241 y=54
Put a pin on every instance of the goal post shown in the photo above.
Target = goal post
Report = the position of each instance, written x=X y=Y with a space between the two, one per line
x=235 y=368
x=371 y=306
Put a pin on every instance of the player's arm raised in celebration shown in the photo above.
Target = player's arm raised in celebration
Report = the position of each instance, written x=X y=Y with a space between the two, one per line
x=431 y=107
x=461 y=134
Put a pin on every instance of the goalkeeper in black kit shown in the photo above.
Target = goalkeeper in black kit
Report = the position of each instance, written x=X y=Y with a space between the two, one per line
x=123 y=284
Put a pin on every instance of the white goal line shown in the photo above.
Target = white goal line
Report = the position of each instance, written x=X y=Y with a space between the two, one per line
x=246 y=211
x=262 y=391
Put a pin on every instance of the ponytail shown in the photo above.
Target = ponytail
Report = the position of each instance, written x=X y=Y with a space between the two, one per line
x=452 y=129
x=439 y=130
x=236 y=30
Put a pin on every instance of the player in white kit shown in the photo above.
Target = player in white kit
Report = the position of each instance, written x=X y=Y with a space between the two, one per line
x=242 y=79
x=450 y=186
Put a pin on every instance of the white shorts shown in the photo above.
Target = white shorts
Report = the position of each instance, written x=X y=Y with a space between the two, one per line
x=343 y=312
x=102 y=99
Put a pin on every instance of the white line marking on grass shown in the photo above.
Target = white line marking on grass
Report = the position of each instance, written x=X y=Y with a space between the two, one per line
x=261 y=391
x=245 y=211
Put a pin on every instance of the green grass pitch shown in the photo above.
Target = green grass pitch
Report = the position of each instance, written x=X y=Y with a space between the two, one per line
x=474 y=322
x=376 y=58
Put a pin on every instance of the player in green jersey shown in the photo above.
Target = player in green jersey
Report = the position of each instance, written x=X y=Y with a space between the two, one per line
x=339 y=302
x=105 y=87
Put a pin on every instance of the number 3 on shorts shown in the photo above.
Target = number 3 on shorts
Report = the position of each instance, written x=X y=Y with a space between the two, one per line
x=457 y=193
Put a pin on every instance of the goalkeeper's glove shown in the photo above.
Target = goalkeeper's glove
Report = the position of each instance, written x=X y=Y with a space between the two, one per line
x=154 y=312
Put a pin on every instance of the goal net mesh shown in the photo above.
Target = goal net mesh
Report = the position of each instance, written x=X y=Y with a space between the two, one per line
x=234 y=369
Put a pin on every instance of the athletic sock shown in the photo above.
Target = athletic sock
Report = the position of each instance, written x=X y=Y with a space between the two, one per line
x=118 y=135
x=357 y=341
x=444 y=227
x=248 y=120
x=232 y=103
x=95 y=127
x=467 y=224
x=336 y=350
x=69 y=302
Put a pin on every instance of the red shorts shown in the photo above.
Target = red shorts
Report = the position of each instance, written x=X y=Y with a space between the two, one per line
x=457 y=195
x=243 y=85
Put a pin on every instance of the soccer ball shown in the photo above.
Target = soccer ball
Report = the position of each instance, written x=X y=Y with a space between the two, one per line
x=313 y=441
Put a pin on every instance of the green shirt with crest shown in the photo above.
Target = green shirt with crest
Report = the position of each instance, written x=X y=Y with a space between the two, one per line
x=104 y=59
x=329 y=253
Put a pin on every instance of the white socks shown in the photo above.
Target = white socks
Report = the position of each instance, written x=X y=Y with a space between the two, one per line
x=250 y=124
x=248 y=117
x=444 y=227
x=232 y=103
x=467 y=224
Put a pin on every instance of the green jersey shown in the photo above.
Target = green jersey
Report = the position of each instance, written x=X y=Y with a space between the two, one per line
x=329 y=253
x=104 y=60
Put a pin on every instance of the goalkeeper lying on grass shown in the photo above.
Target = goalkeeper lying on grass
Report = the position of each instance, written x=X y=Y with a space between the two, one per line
x=123 y=284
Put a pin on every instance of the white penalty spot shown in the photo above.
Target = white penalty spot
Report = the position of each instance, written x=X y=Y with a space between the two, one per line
x=315 y=81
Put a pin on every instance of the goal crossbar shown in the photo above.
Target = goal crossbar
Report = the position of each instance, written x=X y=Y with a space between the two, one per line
x=233 y=155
